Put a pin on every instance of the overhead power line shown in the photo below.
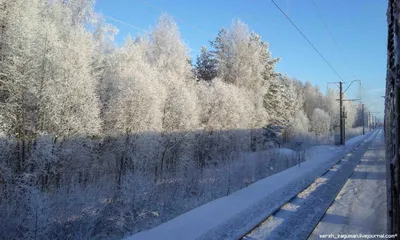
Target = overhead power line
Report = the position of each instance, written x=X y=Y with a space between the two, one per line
x=182 y=21
x=304 y=36
x=126 y=24
x=178 y=19
x=331 y=36
x=137 y=28
x=335 y=43
x=134 y=27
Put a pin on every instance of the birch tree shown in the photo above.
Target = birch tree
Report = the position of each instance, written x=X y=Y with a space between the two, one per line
x=320 y=122
x=168 y=54
x=167 y=51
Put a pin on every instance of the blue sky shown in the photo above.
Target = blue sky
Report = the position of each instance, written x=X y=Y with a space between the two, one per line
x=358 y=26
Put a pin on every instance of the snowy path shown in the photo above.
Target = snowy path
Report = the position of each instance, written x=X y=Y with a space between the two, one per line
x=360 y=207
x=297 y=219
x=232 y=216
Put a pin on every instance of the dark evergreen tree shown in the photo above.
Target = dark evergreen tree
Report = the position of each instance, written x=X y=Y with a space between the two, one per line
x=206 y=65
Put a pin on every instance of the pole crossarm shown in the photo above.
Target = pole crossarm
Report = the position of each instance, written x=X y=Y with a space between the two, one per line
x=372 y=104
x=351 y=100
x=351 y=84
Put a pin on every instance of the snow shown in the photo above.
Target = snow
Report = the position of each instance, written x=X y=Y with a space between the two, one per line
x=354 y=140
x=360 y=207
x=297 y=219
x=278 y=152
x=233 y=215
x=282 y=151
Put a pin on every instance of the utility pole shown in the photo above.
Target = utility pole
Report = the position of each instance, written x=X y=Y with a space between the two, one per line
x=369 y=120
x=363 y=118
x=344 y=124
x=373 y=119
x=372 y=122
x=342 y=117
x=341 y=113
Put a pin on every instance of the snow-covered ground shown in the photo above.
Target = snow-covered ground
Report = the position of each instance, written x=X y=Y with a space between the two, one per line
x=360 y=207
x=231 y=216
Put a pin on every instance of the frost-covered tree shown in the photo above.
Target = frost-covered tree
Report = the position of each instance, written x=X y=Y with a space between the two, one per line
x=102 y=69
x=274 y=101
x=293 y=100
x=243 y=58
x=47 y=86
x=225 y=115
x=168 y=54
x=282 y=101
x=137 y=96
x=72 y=93
x=359 y=116
x=300 y=122
x=18 y=69
x=225 y=106
x=167 y=51
x=351 y=112
x=134 y=107
x=332 y=106
x=320 y=122
x=313 y=98
x=56 y=95
x=298 y=127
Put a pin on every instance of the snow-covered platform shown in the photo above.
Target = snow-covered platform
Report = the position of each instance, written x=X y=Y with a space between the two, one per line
x=297 y=219
x=360 y=207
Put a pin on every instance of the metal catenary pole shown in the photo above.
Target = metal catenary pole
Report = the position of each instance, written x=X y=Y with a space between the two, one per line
x=363 y=118
x=341 y=114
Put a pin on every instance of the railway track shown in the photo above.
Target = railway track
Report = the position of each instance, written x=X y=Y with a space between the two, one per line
x=298 y=217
